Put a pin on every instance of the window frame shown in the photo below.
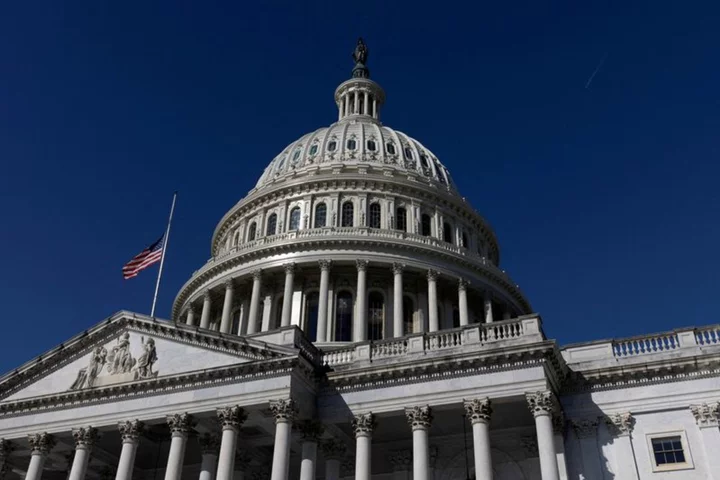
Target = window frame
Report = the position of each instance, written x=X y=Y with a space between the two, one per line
x=274 y=217
x=390 y=146
x=397 y=219
x=352 y=213
x=315 y=216
x=670 y=467
x=290 y=219
x=375 y=212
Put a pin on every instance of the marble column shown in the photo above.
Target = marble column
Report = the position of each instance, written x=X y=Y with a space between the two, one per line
x=311 y=431
x=361 y=321
x=40 y=446
x=323 y=300
x=254 y=302
x=226 y=319
x=363 y=426
x=397 y=269
x=433 y=321
x=284 y=412
x=559 y=441
x=209 y=446
x=707 y=417
x=333 y=451
x=287 y=294
x=541 y=406
x=180 y=426
x=586 y=432
x=620 y=427
x=231 y=419
x=478 y=411
x=205 y=314
x=130 y=432
x=190 y=316
x=462 y=302
x=84 y=440
x=6 y=448
x=487 y=300
x=420 y=418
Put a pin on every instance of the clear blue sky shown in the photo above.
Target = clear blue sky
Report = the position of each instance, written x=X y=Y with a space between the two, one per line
x=605 y=199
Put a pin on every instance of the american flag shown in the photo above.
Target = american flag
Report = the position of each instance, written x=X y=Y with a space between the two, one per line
x=144 y=259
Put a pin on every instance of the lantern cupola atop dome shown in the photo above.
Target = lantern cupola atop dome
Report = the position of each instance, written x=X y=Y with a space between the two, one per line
x=359 y=98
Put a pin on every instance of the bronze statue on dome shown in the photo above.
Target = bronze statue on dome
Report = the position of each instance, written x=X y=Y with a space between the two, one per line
x=361 y=52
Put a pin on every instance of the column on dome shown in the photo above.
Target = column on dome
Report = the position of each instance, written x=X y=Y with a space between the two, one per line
x=541 y=406
x=311 y=431
x=284 y=412
x=190 y=320
x=374 y=108
x=356 y=101
x=254 y=302
x=180 y=426
x=360 y=320
x=620 y=427
x=559 y=442
x=287 y=294
x=586 y=432
x=84 y=439
x=209 y=447
x=323 y=300
x=226 y=319
x=420 y=418
x=243 y=320
x=707 y=417
x=478 y=411
x=366 y=106
x=130 y=431
x=462 y=302
x=267 y=297
x=205 y=315
x=333 y=451
x=231 y=419
x=487 y=299
x=363 y=426
x=433 y=321
x=397 y=269
x=40 y=446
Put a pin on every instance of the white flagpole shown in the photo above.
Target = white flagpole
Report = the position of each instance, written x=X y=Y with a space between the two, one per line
x=162 y=258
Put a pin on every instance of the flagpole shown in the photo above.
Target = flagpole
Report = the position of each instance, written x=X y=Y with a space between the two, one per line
x=162 y=258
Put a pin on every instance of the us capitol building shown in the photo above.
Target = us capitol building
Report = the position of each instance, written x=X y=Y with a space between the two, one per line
x=353 y=321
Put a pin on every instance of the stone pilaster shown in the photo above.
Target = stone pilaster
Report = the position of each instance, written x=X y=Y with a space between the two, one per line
x=620 y=424
x=706 y=415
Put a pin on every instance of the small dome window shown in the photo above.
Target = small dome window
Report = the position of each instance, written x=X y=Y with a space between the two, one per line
x=281 y=164
x=390 y=148
x=424 y=161
x=332 y=146
x=313 y=149
x=351 y=144
x=408 y=153
x=371 y=145
x=296 y=155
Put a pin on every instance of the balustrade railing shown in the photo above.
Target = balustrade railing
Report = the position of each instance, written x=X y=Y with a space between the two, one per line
x=645 y=345
x=389 y=348
x=708 y=335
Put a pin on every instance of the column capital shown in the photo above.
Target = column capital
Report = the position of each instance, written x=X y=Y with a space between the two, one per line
x=41 y=443
x=585 y=427
x=311 y=430
x=363 y=424
x=398 y=268
x=478 y=410
x=206 y=296
x=84 y=436
x=419 y=416
x=283 y=409
x=289 y=268
x=706 y=415
x=257 y=274
x=231 y=417
x=325 y=265
x=333 y=449
x=191 y=308
x=361 y=265
x=401 y=460
x=462 y=284
x=180 y=423
x=621 y=424
x=229 y=284
x=432 y=275
x=130 y=430
x=209 y=444
x=540 y=403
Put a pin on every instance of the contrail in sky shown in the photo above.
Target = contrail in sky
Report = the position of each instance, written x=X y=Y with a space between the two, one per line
x=597 y=69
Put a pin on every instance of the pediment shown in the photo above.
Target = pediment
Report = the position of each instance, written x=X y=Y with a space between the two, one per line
x=130 y=351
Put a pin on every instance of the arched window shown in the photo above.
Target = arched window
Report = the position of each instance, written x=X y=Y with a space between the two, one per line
x=311 y=315
x=408 y=153
x=320 y=215
x=401 y=219
x=424 y=161
x=390 y=147
x=351 y=144
x=408 y=315
x=376 y=316
x=295 y=218
x=332 y=146
x=271 y=225
x=348 y=214
x=281 y=164
x=296 y=155
x=343 y=317
x=374 y=215
x=371 y=146
x=425 y=226
x=465 y=240
x=447 y=232
x=313 y=149
x=252 y=231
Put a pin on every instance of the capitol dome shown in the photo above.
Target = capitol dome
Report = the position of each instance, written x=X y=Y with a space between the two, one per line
x=353 y=232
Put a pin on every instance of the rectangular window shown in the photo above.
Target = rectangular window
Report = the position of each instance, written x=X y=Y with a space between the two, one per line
x=669 y=451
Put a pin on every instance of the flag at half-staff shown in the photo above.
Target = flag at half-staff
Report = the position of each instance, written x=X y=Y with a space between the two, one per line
x=144 y=259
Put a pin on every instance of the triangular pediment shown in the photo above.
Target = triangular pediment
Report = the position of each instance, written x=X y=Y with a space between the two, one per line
x=130 y=350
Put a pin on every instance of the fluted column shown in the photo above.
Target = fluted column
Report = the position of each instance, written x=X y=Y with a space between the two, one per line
x=433 y=322
x=620 y=427
x=363 y=426
x=462 y=302
x=487 y=300
x=541 y=406
x=311 y=431
x=231 y=419
x=40 y=446
x=6 y=448
x=361 y=321
x=397 y=269
x=180 y=426
x=420 y=419
x=84 y=440
x=333 y=451
x=209 y=446
x=287 y=294
x=190 y=316
x=254 y=302
x=478 y=411
x=284 y=411
x=226 y=319
x=323 y=300
x=205 y=315
x=130 y=433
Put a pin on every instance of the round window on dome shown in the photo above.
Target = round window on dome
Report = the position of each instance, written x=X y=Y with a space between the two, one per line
x=351 y=144
x=332 y=146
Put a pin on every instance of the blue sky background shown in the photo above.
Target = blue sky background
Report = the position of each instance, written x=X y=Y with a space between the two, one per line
x=605 y=199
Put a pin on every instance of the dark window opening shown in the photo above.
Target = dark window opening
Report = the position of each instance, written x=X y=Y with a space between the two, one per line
x=401 y=219
x=348 y=214
x=320 y=215
x=374 y=215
